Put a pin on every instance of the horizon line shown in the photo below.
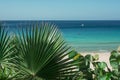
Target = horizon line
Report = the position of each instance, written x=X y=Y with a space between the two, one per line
x=59 y=20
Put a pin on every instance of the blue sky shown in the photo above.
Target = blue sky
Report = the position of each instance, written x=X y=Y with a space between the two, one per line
x=59 y=9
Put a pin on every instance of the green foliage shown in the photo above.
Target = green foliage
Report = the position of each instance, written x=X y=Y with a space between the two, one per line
x=6 y=55
x=99 y=71
x=8 y=74
x=4 y=74
x=36 y=54
x=5 y=49
x=40 y=53
x=43 y=54
x=72 y=54
x=115 y=63
x=84 y=66
x=115 y=59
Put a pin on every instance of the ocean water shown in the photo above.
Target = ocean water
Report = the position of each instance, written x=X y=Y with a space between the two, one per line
x=82 y=36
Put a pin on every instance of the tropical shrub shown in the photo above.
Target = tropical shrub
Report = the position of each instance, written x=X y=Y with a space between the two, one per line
x=86 y=72
x=40 y=53
x=115 y=63
x=84 y=66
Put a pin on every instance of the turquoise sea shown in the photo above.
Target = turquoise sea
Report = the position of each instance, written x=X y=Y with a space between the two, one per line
x=83 y=36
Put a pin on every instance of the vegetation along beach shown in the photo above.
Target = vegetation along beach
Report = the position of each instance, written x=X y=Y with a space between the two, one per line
x=59 y=40
x=42 y=50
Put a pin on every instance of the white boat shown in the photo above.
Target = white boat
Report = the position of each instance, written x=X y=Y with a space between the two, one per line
x=82 y=25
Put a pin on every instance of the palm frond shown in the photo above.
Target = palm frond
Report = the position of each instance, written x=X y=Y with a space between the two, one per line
x=43 y=53
x=6 y=49
x=6 y=56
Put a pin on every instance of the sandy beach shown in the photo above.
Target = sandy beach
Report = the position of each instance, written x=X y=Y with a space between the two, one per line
x=103 y=56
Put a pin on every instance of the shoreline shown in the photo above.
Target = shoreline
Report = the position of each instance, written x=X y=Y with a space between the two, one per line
x=91 y=52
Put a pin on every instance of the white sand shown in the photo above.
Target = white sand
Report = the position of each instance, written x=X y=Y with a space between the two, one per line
x=103 y=56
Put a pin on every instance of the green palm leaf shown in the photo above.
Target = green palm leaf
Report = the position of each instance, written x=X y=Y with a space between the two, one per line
x=6 y=56
x=6 y=49
x=43 y=53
